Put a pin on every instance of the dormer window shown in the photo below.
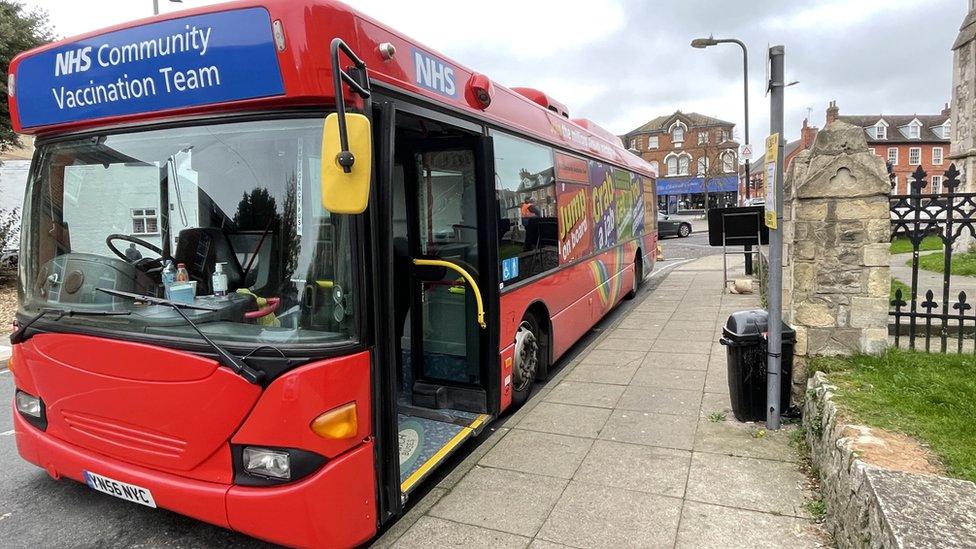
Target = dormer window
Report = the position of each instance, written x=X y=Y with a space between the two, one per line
x=678 y=133
x=915 y=130
x=943 y=130
x=881 y=130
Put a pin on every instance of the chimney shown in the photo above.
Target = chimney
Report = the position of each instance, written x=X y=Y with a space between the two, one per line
x=808 y=134
x=946 y=111
x=832 y=113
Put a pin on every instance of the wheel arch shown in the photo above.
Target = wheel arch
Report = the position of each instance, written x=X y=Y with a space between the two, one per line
x=540 y=311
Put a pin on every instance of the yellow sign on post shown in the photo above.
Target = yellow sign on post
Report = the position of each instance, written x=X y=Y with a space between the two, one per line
x=772 y=154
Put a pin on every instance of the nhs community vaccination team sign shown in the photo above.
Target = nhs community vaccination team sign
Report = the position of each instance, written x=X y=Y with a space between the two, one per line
x=209 y=58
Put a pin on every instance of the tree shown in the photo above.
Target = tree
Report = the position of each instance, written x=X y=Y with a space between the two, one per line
x=9 y=227
x=713 y=150
x=20 y=29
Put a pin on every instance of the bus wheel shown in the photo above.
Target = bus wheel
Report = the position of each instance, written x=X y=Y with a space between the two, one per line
x=527 y=357
x=638 y=276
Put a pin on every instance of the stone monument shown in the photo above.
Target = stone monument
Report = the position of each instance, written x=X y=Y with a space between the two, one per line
x=962 y=147
x=836 y=235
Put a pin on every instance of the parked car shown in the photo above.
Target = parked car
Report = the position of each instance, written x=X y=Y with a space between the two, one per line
x=8 y=259
x=672 y=227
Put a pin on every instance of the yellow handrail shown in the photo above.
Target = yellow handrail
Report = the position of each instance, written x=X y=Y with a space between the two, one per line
x=467 y=277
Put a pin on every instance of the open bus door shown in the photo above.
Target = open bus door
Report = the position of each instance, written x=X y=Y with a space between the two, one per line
x=443 y=351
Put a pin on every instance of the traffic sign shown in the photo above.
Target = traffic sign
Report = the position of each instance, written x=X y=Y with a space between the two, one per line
x=746 y=152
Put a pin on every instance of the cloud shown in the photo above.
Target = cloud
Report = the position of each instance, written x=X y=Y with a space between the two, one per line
x=623 y=62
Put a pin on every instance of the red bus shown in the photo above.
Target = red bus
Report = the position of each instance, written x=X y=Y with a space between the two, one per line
x=279 y=261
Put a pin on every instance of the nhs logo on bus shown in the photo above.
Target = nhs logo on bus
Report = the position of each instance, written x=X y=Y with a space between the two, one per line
x=197 y=60
x=434 y=74
x=73 y=61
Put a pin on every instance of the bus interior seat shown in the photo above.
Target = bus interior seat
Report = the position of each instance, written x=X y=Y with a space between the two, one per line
x=200 y=249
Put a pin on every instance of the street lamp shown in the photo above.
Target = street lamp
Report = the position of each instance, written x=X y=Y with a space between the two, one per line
x=702 y=43
x=156 y=5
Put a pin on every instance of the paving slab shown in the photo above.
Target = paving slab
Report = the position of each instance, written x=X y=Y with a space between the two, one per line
x=594 y=516
x=663 y=430
x=601 y=395
x=747 y=483
x=675 y=360
x=538 y=453
x=675 y=345
x=627 y=343
x=436 y=533
x=596 y=372
x=705 y=526
x=733 y=438
x=666 y=378
x=716 y=403
x=498 y=499
x=635 y=467
x=661 y=400
x=717 y=380
x=565 y=419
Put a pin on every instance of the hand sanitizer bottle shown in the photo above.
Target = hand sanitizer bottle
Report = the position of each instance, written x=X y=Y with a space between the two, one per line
x=168 y=277
x=219 y=281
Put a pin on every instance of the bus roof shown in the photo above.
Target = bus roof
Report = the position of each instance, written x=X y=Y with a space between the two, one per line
x=255 y=55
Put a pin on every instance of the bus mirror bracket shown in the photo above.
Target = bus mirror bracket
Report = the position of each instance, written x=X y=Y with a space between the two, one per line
x=346 y=161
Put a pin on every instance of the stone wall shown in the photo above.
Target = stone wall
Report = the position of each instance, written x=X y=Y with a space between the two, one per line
x=836 y=277
x=879 y=507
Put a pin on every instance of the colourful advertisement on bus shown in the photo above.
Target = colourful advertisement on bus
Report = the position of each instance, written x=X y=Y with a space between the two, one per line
x=603 y=206
x=572 y=198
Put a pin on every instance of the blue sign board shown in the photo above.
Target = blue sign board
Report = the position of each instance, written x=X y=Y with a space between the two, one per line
x=695 y=185
x=510 y=268
x=196 y=60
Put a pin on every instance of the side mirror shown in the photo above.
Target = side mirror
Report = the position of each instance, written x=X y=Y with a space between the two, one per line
x=345 y=186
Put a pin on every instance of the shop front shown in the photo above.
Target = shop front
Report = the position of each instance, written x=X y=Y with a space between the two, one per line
x=689 y=194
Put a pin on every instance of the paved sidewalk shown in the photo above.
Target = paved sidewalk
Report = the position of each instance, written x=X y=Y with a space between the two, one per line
x=628 y=446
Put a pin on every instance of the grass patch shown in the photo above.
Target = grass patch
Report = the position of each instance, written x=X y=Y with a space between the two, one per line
x=927 y=396
x=901 y=245
x=716 y=417
x=906 y=290
x=962 y=264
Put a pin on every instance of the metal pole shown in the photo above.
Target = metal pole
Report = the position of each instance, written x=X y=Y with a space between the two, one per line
x=745 y=100
x=155 y=7
x=777 y=84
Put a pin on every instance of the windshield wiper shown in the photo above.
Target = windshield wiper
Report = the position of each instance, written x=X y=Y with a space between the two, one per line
x=21 y=334
x=223 y=356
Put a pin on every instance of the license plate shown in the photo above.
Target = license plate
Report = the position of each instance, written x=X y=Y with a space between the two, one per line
x=122 y=490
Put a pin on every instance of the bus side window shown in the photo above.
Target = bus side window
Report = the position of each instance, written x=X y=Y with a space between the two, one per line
x=526 y=197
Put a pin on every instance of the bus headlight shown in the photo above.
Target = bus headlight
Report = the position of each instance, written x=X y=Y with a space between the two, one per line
x=270 y=466
x=31 y=408
x=267 y=462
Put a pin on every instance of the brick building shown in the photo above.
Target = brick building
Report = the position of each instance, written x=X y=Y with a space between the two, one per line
x=692 y=153
x=905 y=141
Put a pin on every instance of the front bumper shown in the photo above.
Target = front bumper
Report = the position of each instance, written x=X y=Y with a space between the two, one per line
x=331 y=508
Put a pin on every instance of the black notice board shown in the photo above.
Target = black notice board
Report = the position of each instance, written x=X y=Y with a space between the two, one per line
x=741 y=226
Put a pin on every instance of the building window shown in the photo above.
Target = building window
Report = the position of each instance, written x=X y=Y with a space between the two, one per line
x=893 y=155
x=703 y=166
x=936 y=184
x=728 y=162
x=652 y=142
x=944 y=129
x=683 y=162
x=725 y=136
x=880 y=131
x=145 y=221
x=914 y=131
x=874 y=151
x=937 y=156
x=703 y=137
x=635 y=144
x=655 y=167
x=672 y=163
x=677 y=134
x=914 y=156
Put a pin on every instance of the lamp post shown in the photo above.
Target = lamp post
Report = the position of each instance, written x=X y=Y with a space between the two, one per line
x=156 y=5
x=702 y=43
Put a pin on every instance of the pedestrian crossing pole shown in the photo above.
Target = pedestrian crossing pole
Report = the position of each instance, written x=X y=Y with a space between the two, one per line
x=774 y=219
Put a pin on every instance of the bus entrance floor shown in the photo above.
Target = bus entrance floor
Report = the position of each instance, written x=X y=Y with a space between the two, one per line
x=630 y=444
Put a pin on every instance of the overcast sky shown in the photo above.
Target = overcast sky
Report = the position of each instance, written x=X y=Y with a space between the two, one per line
x=623 y=62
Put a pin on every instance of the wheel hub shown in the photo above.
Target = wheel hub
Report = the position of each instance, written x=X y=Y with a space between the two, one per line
x=526 y=356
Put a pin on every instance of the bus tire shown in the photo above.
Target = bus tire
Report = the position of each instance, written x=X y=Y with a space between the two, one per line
x=528 y=357
x=638 y=276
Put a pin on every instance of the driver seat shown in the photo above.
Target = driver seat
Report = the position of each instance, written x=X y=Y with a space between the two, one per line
x=200 y=249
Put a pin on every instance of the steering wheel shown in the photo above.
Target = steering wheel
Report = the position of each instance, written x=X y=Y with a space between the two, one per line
x=143 y=264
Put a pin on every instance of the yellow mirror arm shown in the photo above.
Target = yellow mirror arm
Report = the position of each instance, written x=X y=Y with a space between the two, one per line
x=467 y=277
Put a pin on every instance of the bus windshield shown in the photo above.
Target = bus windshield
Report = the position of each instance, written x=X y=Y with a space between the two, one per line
x=112 y=210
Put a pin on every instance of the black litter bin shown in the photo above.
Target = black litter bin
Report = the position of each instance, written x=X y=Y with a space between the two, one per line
x=744 y=337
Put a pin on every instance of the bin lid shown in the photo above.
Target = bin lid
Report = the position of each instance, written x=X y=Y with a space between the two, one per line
x=751 y=325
